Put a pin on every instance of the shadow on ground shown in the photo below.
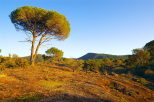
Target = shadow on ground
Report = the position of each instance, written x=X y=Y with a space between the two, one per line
x=72 y=98
x=57 y=98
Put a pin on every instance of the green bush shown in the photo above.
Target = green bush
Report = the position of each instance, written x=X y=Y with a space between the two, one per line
x=143 y=81
x=103 y=71
x=51 y=61
x=75 y=65
x=20 y=62
x=6 y=62
x=9 y=63
x=91 y=65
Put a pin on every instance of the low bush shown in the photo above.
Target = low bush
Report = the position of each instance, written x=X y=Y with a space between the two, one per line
x=6 y=62
x=91 y=65
x=103 y=71
x=20 y=62
x=74 y=64
x=143 y=81
x=149 y=72
x=2 y=67
x=28 y=98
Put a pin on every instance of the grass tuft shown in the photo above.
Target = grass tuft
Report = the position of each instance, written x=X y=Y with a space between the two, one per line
x=50 y=84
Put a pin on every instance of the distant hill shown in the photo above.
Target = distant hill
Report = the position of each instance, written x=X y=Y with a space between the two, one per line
x=101 y=56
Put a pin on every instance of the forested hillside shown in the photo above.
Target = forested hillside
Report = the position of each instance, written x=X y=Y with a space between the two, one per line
x=101 y=56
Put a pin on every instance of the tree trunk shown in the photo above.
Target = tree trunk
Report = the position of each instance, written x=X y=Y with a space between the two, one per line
x=33 y=50
x=37 y=48
x=32 y=60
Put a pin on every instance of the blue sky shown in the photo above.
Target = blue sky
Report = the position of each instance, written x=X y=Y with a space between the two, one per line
x=99 y=26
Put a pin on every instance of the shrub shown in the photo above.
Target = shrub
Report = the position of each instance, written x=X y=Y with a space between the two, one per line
x=149 y=72
x=20 y=62
x=91 y=65
x=51 y=61
x=9 y=63
x=4 y=59
x=6 y=62
x=143 y=81
x=2 y=67
x=103 y=71
x=75 y=65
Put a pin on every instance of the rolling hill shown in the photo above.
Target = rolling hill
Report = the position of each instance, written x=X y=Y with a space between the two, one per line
x=50 y=83
x=101 y=56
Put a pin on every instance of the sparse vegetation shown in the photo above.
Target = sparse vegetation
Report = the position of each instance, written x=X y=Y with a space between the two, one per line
x=55 y=53
x=52 y=82
x=55 y=75
x=6 y=62
x=54 y=78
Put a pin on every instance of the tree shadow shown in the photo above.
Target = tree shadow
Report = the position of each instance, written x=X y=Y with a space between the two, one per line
x=73 y=98
x=57 y=97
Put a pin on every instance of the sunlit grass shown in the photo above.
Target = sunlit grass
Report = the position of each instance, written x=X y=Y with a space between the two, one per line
x=32 y=84
x=3 y=76
x=50 y=84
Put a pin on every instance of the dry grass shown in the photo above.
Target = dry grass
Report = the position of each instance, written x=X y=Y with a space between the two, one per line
x=51 y=83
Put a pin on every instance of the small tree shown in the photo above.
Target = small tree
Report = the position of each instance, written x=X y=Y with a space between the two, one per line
x=55 y=53
x=139 y=57
x=150 y=47
x=91 y=65
x=40 y=25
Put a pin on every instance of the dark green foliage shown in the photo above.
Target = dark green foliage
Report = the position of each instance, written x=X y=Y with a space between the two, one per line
x=41 y=25
x=55 y=53
x=74 y=64
x=120 y=62
x=143 y=81
x=150 y=47
x=107 y=63
x=7 y=62
x=139 y=58
x=103 y=70
x=104 y=65
x=39 y=58
x=20 y=62
x=39 y=20
x=91 y=65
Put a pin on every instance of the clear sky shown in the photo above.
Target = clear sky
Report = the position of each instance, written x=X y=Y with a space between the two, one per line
x=99 y=26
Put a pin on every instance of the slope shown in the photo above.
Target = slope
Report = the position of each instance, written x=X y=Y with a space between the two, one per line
x=48 y=83
x=100 y=56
